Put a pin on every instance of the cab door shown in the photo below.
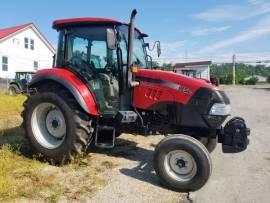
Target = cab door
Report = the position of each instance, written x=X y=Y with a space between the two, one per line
x=89 y=57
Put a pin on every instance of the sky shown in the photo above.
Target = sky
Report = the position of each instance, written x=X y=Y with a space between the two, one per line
x=188 y=30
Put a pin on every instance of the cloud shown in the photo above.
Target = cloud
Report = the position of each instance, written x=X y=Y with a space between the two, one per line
x=262 y=28
x=235 y=12
x=207 y=31
x=170 y=48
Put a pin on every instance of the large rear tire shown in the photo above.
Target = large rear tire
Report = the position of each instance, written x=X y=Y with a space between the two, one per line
x=13 y=90
x=182 y=163
x=55 y=124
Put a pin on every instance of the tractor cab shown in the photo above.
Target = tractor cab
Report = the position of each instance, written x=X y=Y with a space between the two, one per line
x=19 y=84
x=96 y=50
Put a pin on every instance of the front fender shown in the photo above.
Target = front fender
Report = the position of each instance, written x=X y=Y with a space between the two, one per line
x=71 y=82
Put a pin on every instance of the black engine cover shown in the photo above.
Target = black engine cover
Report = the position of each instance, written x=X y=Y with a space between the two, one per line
x=234 y=136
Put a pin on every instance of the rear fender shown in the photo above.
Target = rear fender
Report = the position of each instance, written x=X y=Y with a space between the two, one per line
x=71 y=82
x=14 y=83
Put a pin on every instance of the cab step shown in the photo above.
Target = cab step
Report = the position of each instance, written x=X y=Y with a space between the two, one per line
x=105 y=136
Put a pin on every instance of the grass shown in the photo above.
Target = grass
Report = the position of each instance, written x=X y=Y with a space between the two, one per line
x=10 y=105
x=24 y=177
x=19 y=177
x=10 y=108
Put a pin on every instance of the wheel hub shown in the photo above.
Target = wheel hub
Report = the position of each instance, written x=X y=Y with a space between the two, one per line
x=180 y=165
x=55 y=123
x=49 y=125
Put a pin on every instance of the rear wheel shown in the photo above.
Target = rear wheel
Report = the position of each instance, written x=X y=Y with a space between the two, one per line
x=182 y=163
x=55 y=124
x=13 y=90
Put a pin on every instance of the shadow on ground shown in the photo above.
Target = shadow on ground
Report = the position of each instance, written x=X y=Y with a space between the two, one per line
x=123 y=149
x=262 y=88
x=15 y=138
x=129 y=150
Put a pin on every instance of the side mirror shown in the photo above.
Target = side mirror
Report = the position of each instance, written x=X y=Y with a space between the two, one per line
x=158 y=49
x=111 y=39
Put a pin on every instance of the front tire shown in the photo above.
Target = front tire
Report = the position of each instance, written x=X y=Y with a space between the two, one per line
x=209 y=143
x=55 y=124
x=182 y=163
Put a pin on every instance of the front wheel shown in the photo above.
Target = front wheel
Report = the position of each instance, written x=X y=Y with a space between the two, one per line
x=182 y=163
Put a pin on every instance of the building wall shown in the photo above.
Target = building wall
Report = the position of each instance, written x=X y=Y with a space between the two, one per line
x=20 y=58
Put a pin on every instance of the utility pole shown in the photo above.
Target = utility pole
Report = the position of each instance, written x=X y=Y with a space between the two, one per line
x=233 y=62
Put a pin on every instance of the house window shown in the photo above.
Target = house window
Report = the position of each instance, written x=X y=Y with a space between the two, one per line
x=4 y=63
x=26 y=42
x=35 y=65
x=32 y=44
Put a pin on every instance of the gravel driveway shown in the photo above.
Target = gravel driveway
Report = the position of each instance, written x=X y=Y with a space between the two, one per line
x=134 y=179
x=242 y=177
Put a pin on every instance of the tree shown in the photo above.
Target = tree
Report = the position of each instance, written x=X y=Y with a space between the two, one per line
x=155 y=64
x=166 y=66
x=224 y=72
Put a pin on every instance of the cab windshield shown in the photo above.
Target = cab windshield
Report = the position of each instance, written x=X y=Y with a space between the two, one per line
x=139 y=52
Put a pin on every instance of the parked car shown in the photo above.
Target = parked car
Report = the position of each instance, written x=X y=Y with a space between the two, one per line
x=19 y=84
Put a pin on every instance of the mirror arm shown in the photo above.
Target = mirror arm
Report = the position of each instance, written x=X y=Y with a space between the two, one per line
x=54 y=58
x=153 y=47
x=151 y=60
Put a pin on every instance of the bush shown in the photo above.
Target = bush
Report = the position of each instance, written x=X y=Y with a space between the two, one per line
x=252 y=81
x=268 y=79
x=226 y=79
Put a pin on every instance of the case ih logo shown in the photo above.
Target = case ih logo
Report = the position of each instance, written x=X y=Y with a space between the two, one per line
x=184 y=90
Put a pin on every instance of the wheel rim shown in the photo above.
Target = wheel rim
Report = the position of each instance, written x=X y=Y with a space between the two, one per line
x=48 y=125
x=180 y=165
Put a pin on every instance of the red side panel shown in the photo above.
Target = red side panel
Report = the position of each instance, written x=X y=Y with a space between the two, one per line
x=146 y=96
x=72 y=79
x=161 y=86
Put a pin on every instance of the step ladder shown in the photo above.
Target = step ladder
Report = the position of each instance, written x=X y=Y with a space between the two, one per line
x=105 y=136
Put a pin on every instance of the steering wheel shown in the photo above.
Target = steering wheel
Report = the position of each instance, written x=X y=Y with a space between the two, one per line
x=83 y=67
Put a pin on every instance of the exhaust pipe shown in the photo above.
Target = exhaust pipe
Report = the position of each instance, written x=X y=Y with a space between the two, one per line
x=131 y=37
x=130 y=79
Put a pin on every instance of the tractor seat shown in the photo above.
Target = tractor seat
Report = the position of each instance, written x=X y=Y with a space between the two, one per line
x=110 y=86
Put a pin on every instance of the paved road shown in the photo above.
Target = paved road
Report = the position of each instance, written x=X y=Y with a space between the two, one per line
x=243 y=177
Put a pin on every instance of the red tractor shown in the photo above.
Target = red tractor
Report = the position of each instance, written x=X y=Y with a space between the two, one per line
x=102 y=85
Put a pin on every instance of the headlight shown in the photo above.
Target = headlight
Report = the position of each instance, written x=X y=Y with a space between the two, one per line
x=219 y=109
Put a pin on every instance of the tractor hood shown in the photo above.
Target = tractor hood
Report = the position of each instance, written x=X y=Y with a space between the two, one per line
x=170 y=79
x=196 y=102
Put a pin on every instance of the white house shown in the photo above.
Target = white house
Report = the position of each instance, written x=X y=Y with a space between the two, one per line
x=199 y=69
x=23 y=48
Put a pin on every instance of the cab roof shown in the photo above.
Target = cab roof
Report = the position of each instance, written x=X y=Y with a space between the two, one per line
x=69 y=22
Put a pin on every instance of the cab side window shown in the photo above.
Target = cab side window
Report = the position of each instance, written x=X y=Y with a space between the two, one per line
x=99 y=54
